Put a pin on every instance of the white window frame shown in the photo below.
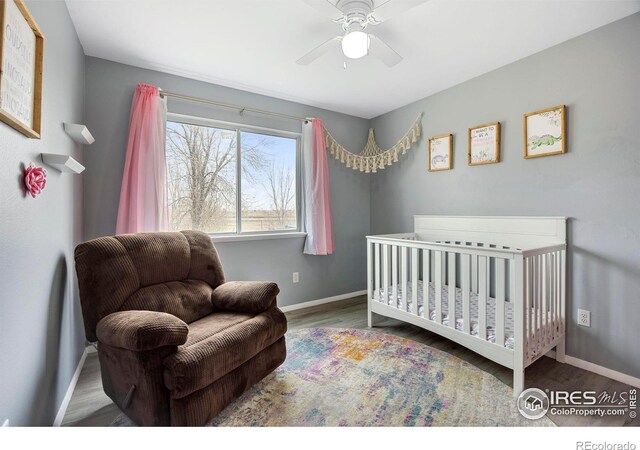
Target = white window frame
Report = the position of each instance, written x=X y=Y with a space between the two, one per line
x=239 y=235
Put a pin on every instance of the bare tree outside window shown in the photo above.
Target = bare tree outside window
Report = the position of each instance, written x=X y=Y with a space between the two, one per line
x=272 y=187
x=203 y=185
x=281 y=190
x=201 y=165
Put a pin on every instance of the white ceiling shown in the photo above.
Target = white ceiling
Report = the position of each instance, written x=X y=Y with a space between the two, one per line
x=253 y=44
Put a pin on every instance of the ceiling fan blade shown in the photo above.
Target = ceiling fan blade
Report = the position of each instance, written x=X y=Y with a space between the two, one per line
x=393 y=8
x=319 y=51
x=382 y=51
x=325 y=8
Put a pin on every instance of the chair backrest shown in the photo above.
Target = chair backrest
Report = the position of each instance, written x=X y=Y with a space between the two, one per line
x=168 y=272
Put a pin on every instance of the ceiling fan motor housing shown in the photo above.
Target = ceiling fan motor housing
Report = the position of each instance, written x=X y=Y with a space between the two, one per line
x=356 y=14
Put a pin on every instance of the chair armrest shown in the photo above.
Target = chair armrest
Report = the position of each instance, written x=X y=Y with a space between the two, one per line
x=245 y=296
x=141 y=330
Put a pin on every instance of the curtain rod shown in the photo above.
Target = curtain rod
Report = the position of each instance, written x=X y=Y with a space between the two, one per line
x=240 y=109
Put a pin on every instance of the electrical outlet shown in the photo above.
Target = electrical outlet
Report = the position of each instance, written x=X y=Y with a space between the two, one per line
x=584 y=318
x=5 y=423
x=296 y=277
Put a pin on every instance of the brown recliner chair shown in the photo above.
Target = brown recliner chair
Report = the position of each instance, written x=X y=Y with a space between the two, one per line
x=176 y=343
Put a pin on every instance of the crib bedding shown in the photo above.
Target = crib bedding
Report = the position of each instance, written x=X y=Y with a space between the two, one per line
x=380 y=296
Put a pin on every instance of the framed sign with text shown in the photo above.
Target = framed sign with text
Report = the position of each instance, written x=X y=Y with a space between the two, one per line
x=21 y=56
x=484 y=144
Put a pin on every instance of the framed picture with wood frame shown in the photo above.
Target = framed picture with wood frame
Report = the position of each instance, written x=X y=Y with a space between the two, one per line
x=21 y=57
x=484 y=144
x=545 y=132
x=440 y=157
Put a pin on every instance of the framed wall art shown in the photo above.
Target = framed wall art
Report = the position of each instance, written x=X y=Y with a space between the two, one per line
x=440 y=152
x=484 y=144
x=21 y=56
x=545 y=132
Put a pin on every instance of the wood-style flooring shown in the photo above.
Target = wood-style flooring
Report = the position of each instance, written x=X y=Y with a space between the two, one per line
x=89 y=406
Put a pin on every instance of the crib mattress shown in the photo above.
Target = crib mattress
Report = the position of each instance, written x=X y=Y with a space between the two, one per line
x=382 y=296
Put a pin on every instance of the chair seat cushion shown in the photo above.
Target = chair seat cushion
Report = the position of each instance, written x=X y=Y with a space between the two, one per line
x=213 y=324
x=218 y=344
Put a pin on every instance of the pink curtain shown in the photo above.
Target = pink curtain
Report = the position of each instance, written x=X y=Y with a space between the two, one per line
x=317 y=195
x=143 y=196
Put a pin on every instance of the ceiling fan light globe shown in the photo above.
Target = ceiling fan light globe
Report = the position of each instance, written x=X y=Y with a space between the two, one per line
x=355 y=44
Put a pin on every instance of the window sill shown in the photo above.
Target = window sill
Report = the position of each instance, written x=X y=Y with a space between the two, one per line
x=256 y=237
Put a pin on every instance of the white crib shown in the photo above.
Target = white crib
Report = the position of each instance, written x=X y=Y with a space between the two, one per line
x=501 y=278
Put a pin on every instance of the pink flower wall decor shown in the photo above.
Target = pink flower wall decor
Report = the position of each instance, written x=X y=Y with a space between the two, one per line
x=35 y=179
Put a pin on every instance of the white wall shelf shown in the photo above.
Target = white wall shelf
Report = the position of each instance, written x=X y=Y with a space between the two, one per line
x=63 y=163
x=79 y=133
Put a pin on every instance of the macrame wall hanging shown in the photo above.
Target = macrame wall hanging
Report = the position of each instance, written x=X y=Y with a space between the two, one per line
x=372 y=157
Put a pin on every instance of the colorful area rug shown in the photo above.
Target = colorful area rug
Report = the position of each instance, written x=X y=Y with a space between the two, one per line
x=347 y=377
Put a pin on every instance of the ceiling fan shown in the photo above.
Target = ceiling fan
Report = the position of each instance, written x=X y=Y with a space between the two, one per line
x=355 y=16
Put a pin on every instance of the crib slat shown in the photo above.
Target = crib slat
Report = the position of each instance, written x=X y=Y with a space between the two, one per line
x=426 y=289
x=554 y=291
x=451 y=282
x=529 y=304
x=554 y=280
x=377 y=268
x=539 y=277
x=439 y=256
x=563 y=292
x=465 y=276
x=483 y=291
x=542 y=296
x=556 y=303
x=394 y=274
x=404 y=274
x=444 y=267
x=474 y=273
x=534 y=300
x=414 y=280
x=500 y=298
x=548 y=311
x=545 y=298
x=517 y=293
x=385 y=272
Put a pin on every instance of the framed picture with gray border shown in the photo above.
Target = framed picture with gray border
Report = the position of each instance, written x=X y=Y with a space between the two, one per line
x=545 y=132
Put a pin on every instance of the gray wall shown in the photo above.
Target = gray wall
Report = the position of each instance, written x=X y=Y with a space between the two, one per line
x=596 y=184
x=41 y=334
x=109 y=90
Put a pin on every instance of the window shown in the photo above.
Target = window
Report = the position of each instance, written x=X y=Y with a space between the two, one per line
x=231 y=179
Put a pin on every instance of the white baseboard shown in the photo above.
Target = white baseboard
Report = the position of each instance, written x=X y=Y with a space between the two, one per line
x=600 y=370
x=72 y=385
x=322 y=301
